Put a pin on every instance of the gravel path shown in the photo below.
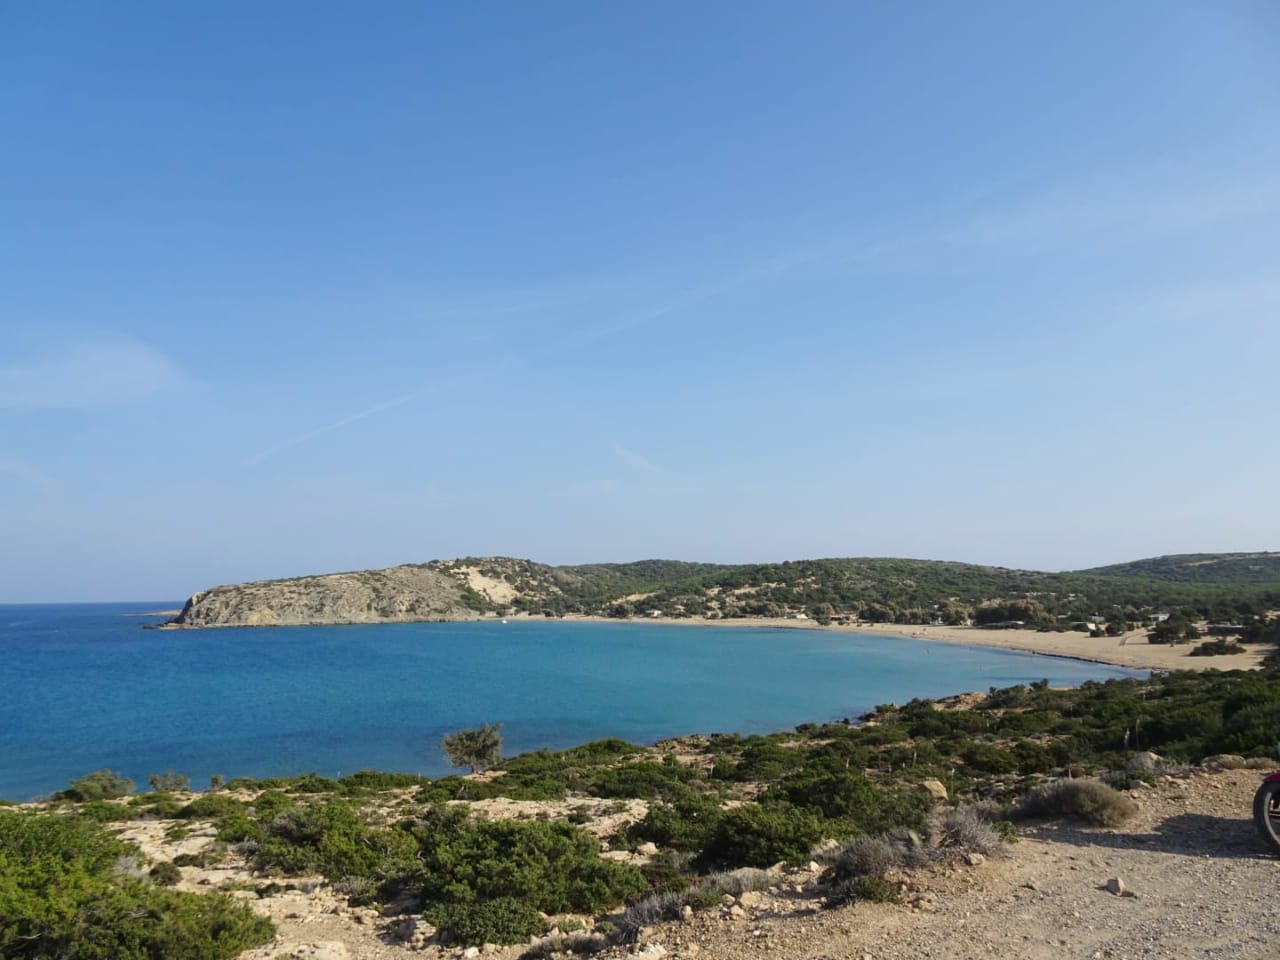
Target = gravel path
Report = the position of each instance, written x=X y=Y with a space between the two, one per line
x=1203 y=886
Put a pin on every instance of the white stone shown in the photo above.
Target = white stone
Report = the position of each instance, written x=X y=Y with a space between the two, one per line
x=935 y=789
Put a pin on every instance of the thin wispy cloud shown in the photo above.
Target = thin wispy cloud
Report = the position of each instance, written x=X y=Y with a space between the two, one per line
x=1102 y=214
x=87 y=373
x=1011 y=222
x=427 y=388
x=24 y=473
x=635 y=460
x=282 y=446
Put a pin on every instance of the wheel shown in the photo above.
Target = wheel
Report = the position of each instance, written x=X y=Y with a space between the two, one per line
x=1266 y=813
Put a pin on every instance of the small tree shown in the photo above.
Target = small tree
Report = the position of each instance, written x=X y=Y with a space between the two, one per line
x=477 y=748
x=822 y=612
x=169 y=781
x=99 y=785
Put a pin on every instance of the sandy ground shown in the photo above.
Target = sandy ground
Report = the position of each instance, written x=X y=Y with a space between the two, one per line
x=1129 y=650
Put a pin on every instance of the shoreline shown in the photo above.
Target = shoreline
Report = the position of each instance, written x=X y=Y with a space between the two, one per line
x=1130 y=650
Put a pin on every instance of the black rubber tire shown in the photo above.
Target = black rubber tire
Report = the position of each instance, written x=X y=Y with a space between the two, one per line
x=1266 y=813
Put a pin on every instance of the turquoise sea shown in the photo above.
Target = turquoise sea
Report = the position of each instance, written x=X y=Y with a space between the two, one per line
x=84 y=687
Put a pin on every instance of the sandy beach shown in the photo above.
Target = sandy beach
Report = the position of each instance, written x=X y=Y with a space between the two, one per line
x=1129 y=650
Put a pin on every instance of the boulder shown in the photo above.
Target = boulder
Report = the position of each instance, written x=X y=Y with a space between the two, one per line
x=1116 y=886
x=935 y=789
x=1223 y=761
x=1145 y=761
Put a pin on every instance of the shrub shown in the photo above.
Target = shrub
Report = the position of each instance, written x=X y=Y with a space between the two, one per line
x=870 y=889
x=207 y=857
x=645 y=780
x=271 y=802
x=847 y=796
x=372 y=780
x=735 y=882
x=577 y=941
x=1088 y=800
x=332 y=839
x=763 y=759
x=967 y=830
x=167 y=781
x=62 y=896
x=101 y=811
x=1214 y=648
x=99 y=785
x=554 y=867
x=686 y=824
x=501 y=920
x=664 y=905
x=212 y=806
x=314 y=783
x=865 y=857
x=166 y=874
x=759 y=836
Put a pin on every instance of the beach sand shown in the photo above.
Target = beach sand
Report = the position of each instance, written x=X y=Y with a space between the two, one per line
x=1128 y=650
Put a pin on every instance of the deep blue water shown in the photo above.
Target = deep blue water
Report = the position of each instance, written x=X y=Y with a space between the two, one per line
x=83 y=687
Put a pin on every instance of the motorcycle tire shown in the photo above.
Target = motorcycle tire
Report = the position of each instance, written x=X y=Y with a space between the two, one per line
x=1266 y=813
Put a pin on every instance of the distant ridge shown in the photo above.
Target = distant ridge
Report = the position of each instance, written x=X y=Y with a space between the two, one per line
x=867 y=588
x=1227 y=569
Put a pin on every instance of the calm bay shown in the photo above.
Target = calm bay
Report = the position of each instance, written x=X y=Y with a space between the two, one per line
x=84 y=687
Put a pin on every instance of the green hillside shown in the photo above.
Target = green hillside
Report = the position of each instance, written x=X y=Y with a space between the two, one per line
x=1224 y=569
x=1228 y=586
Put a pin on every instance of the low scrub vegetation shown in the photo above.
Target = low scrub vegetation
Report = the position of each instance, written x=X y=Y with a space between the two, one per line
x=1089 y=800
x=67 y=890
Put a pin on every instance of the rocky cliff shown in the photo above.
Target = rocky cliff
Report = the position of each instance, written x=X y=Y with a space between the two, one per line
x=394 y=595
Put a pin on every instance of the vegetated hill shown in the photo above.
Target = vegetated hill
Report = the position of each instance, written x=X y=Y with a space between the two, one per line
x=876 y=589
x=396 y=594
x=1226 y=569
x=869 y=588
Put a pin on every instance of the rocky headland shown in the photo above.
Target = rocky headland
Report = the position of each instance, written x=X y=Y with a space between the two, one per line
x=411 y=593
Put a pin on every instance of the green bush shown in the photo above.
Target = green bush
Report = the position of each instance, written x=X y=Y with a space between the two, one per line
x=554 y=867
x=239 y=828
x=502 y=920
x=686 y=824
x=102 y=811
x=61 y=897
x=211 y=806
x=987 y=758
x=846 y=796
x=363 y=781
x=764 y=759
x=1215 y=648
x=169 y=781
x=314 y=783
x=99 y=785
x=332 y=839
x=271 y=802
x=165 y=873
x=644 y=780
x=753 y=835
x=864 y=888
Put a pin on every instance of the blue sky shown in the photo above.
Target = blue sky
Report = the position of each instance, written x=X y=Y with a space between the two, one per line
x=288 y=288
